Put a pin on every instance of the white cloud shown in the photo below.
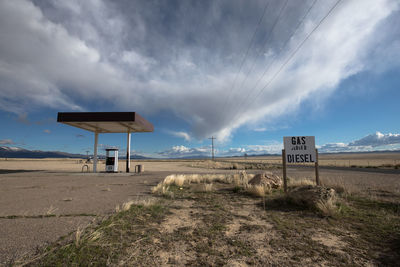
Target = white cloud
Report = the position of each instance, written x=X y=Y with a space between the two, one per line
x=6 y=142
x=273 y=148
x=377 y=139
x=335 y=147
x=205 y=151
x=263 y=129
x=181 y=134
x=41 y=64
x=372 y=142
x=183 y=151
x=67 y=56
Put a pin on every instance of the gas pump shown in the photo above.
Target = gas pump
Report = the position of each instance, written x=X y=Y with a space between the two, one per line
x=111 y=160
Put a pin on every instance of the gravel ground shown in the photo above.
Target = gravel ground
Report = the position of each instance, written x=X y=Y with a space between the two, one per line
x=75 y=199
x=27 y=193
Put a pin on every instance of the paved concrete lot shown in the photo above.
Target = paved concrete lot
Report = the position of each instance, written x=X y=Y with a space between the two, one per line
x=74 y=199
x=78 y=198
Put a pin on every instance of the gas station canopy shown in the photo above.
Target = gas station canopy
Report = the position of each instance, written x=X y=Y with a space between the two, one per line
x=106 y=122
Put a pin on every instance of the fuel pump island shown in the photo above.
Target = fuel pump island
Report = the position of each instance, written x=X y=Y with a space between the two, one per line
x=112 y=160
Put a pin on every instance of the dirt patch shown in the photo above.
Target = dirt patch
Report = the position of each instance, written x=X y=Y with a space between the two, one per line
x=329 y=240
x=180 y=217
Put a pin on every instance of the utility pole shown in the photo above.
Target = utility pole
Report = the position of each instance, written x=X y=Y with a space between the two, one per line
x=212 y=146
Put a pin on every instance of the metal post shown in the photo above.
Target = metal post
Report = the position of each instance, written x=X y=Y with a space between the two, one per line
x=284 y=170
x=128 y=152
x=212 y=146
x=96 y=138
x=317 y=181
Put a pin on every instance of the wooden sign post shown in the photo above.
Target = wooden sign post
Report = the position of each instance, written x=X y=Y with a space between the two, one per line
x=316 y=168
x=284 y=170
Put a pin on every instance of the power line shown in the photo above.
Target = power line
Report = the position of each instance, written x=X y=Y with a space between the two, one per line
x=273 y=59
x=247 y=52
x=296 y=50
x=266 y=42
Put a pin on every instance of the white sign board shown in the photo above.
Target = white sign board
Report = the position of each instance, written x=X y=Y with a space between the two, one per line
x=299 y=149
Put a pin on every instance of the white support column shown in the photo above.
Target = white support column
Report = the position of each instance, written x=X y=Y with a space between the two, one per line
x=128 y=152
x=96 y=138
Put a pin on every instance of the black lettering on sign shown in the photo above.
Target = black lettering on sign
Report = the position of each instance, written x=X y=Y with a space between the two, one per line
x=298 y=141
x=294 y=141
x=303 y=140
x=300 y=158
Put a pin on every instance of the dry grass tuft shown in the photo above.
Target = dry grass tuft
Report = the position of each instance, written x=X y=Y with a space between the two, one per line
x=146 y=202
x=156 y=189
x=327 y=207
x=78 y=236
x=174 y=179
x=138 y=202
x=96 y=235
x=209 y=164
x=340 y=185
x=208 y=187
x=162 y=189
x=239 y=179
x=242 y=179
x=127 y=205
x=258 y=190
x=300 y=182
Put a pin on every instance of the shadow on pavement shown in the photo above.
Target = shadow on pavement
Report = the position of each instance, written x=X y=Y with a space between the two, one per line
x=17 y=171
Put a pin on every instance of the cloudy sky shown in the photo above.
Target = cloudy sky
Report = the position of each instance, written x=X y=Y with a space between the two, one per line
x=246 y=72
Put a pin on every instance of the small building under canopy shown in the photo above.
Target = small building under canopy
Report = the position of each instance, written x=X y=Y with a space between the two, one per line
x=107 y=122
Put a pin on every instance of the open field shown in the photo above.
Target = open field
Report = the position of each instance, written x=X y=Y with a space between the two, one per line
x=359 y=160
x=364 y=160
x=75 y=165
x=51 y=210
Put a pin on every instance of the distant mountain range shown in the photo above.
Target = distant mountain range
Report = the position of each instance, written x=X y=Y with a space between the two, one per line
x=17 y=152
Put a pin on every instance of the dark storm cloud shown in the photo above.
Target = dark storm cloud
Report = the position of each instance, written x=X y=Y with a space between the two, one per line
x=182 y=56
